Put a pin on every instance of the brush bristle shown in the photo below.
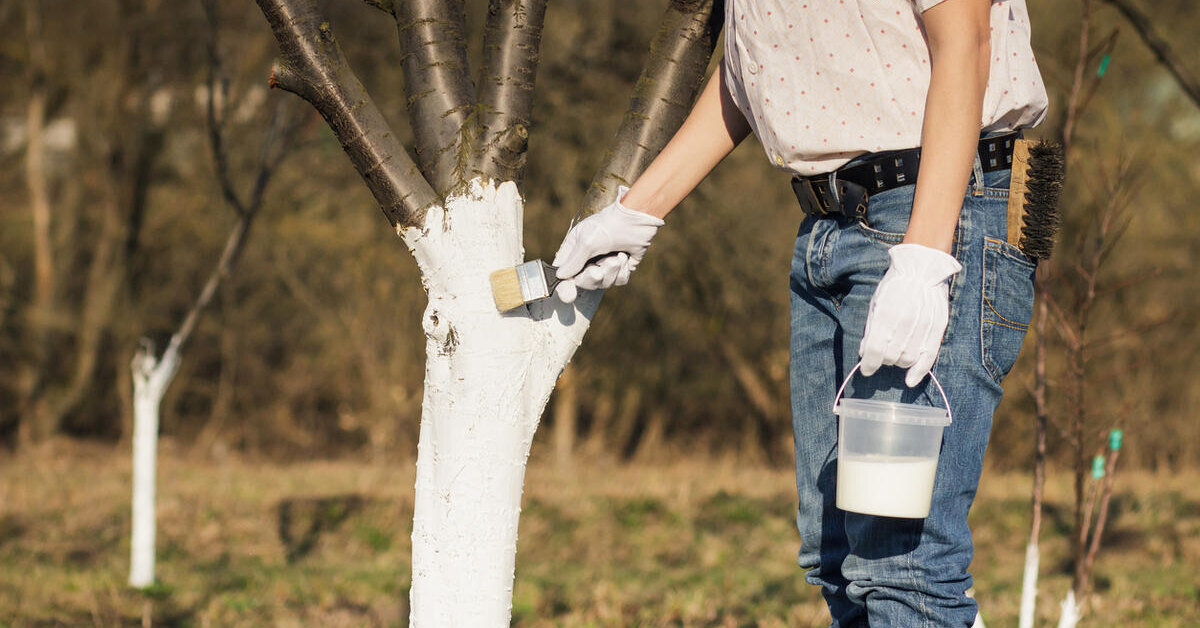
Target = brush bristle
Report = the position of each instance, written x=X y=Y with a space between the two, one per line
x=1046 y=170
x=506 y=289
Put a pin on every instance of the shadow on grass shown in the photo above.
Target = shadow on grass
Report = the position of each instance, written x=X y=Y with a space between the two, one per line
x=302 y=520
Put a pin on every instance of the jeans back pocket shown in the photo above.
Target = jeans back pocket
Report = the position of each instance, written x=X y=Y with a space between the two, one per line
x=1008 y=278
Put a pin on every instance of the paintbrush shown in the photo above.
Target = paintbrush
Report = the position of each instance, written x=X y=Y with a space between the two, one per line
x=516 y=286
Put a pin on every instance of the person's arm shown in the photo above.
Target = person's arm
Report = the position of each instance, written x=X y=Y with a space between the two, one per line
x=615 y=238
x=959 y=47
x=909 y=309
x=711 y=131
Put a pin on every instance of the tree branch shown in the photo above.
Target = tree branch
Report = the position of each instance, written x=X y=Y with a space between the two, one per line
x=313 y=67
x=1145 y=30
x=663 y=96
x=437 y=82
x=510 y=57
x=274 y=149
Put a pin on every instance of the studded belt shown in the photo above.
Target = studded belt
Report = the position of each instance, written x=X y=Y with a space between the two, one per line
x=846 y=191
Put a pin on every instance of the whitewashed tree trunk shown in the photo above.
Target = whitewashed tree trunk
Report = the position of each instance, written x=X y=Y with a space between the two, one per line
x=488 y=377
x=1029 y=586
x=1069 y=615
x=151 y=377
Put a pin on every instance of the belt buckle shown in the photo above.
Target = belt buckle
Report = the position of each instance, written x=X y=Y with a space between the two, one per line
x=807 y=197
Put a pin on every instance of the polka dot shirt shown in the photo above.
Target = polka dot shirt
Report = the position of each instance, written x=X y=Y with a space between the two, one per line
x=821 y=81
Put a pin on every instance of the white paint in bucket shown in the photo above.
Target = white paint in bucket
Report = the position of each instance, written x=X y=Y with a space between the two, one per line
x=891 y=486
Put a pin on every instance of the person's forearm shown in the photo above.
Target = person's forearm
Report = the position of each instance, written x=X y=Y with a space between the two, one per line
x=959 y=46
x=711 y=131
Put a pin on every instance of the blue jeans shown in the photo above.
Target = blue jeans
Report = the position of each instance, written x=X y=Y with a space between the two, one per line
x=883 y=571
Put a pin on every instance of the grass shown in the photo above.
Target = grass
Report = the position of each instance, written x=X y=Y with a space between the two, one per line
x=691 y=543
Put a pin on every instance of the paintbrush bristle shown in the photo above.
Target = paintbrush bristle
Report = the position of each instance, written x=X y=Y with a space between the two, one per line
x=1046 y=171
x=506 y=289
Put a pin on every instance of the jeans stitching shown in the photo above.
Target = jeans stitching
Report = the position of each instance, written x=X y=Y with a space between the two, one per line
x=1003 y=321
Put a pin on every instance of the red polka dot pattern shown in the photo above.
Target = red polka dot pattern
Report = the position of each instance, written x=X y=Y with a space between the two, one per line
x=868 y=69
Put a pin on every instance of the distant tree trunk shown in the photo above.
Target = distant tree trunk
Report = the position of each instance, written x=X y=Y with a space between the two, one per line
x=150 y=380
x=52 y=389
x=488 y=376
x=39 y=205
x=152 y=376
x=566 y=419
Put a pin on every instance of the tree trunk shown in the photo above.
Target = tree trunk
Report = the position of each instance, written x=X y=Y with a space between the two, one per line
x=150 y=380
x=487 y=378
x=566 y=418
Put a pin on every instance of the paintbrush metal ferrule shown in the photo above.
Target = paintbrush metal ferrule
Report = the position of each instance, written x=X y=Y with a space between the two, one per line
x=532 y=277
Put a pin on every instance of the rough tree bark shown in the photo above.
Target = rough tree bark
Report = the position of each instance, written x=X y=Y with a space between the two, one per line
x=459 y=210
x=152 y=374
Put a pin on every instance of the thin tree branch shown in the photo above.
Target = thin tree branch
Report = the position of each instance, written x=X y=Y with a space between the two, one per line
x=279 y=133
x=216 y=123
x=313 y=67
x=663 y=95
x=437 y=83
x=1072 y=111
x=510 y=58
x=1162 y=50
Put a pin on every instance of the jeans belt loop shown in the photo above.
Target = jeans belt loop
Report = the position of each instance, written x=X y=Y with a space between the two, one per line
x=833 y=189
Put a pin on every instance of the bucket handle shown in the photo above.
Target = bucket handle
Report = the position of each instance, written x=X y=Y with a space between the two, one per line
x=854 y=370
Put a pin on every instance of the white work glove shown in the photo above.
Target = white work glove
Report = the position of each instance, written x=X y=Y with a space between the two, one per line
x=617 y=235
x=909 y=312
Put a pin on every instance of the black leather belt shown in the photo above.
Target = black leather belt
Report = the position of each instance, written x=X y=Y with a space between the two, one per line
x=854 y=185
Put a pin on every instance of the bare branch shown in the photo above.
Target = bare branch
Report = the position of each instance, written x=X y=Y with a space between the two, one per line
x=216 y=123
x=275 y=147
x=510 y=58
x=313 y=67
x=437 y=82
x=1162 y=50
x=1072 y=110
x=663 y=96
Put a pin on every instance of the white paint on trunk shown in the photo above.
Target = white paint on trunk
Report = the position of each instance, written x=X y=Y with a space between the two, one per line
x=150 y=380
x=1070 y=611
x=487 y=379
x=1029 y=586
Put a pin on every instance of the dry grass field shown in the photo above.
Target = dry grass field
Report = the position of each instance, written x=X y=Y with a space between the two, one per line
x=690 y=543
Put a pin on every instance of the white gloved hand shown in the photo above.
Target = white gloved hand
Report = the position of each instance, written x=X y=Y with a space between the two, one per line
x=909 y=312
x=617 y=235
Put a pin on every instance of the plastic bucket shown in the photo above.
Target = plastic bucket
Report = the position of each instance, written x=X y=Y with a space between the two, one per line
x=887 y=454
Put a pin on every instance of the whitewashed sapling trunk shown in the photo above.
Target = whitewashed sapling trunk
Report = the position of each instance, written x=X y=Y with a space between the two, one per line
x=151 y=377
x=1029 y=584
x=488 y=375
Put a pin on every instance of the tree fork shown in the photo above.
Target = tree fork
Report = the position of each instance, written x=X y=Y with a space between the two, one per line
x=313 y=67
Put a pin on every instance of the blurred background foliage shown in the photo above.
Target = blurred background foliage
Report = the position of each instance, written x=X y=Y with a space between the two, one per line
x=313 y=347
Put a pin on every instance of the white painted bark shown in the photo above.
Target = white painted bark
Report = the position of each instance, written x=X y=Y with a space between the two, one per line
x=488 y=377
x=151 y=377
x=1029 y=586
x=1070 y=611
